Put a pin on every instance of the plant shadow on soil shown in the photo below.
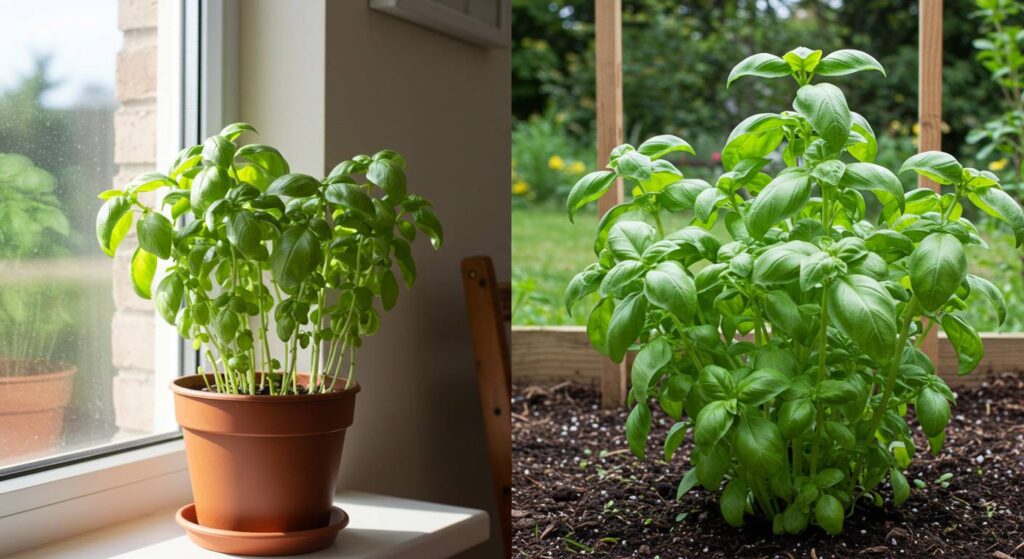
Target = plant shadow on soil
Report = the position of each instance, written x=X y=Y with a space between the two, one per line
x=577 y=490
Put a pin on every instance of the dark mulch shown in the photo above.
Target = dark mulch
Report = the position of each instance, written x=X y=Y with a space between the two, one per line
x=577 y=490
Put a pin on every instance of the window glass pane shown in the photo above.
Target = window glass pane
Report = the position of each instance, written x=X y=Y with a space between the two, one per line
x=64 y=385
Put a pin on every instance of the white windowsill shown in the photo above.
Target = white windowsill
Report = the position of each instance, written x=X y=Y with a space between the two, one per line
x=380 y=527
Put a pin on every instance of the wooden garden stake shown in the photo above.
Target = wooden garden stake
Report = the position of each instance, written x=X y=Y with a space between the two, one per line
x=608 y=53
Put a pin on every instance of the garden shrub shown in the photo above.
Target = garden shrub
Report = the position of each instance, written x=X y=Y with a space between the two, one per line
x=808 y=416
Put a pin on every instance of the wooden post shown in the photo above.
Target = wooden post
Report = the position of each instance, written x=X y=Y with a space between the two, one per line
x=929 y=110
x=608 y=69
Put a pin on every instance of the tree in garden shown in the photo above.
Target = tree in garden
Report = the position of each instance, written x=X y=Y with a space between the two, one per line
x=999 y=53
x=809 y=416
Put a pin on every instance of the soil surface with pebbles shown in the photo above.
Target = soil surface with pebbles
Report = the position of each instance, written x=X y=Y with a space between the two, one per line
x=578 y=491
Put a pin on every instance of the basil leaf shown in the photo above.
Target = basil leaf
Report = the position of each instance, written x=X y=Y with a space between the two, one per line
x=762 y=65
x=866 y=313
x=938 y=166
x=782 y=198
x=824 y=106
x=937 y=268
x=847 y=61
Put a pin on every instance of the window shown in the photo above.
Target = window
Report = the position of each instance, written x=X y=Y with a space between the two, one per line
x=84 y=362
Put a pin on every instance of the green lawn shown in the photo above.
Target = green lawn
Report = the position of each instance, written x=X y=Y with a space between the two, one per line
x=547 y=251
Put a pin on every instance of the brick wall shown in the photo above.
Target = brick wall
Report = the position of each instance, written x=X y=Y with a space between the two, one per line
x=132 y=329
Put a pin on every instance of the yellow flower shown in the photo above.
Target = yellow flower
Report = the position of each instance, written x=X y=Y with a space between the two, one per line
x=520 y=188
x=556 y=162
x=576 y=167
x=998 y=165
x=917 y=129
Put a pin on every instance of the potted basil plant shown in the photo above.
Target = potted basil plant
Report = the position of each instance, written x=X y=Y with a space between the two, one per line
x=35 y=387
x=787 y=340
x=264 y=265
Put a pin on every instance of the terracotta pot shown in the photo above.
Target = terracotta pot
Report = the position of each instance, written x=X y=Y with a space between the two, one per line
x=32 y=408
x=262 y=463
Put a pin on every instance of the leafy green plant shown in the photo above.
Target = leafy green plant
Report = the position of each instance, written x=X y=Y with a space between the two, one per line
x=1000 y=53
x=248 y=240
x=807 y=416
x=546 y=159
x=32 y=225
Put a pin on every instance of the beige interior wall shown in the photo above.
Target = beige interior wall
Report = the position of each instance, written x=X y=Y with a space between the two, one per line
x=445 y=105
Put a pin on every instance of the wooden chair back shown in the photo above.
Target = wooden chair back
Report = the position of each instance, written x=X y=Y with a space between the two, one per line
x=489 y=304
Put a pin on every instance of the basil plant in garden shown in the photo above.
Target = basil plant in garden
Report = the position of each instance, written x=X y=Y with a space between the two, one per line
x=251 y=246
x=783 y=326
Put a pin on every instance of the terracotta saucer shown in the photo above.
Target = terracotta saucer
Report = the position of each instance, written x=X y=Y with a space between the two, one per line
x=260 y=543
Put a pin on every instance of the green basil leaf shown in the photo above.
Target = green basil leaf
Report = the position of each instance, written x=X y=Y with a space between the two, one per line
x=781 y=263
x=965 y=341
x=815 y=270
x=143 y=268
x=296 y=255
x=670 y=287
x=688 y=482
x=266 y=158
x=754 y=137
x=842 y=434
x=796 y=417
x=937 y=268
x=1001 y=205
x=245 y=233
x=762 y=65
x=682 y=195
x=828 y=512
x=877 y=179
x=802 y=59
x=824 y=106
x=234 y=130
x=588 y=189
x=991 y=292
x=638 y=427
x=113 y=221
x=389 y=176
x=150 y=181
x=659 y=146
x=833 y=391
x=388 y=290
x=294 y=185
x=715 y=383
x=427 y=221
x=847 y=61
x=649 y=360
x=712 y=423
x=866 y=313
x=867 y=150
x=782 y=198
x=598 y=323
x=932 y=412
x=626 y=323
x=169 y=293
x=759 y=445
x=938 y=166
x=673 y=440
x=734 y=501
x=629 y=239
x=900 y=487
x=155 y=233
x=583 y=284
x=219 y=151
x=350 y=197
x=760 y=386
x=210 y=185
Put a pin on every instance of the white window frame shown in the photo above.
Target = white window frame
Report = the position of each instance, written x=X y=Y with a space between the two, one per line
x=39 y=507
